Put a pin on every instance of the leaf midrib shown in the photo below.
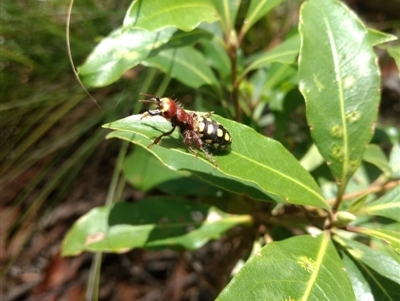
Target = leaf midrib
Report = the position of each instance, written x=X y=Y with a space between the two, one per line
x=281 y=174
x=252 y=161
x=338 y=73
x=320 y=257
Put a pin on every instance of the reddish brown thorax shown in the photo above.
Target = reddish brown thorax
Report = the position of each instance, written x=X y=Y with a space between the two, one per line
x=168 y=108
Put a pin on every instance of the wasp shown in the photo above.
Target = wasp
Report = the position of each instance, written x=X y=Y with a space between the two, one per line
x=199 y=132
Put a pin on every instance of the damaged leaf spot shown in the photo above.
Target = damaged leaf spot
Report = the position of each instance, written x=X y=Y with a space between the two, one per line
x=94 y=237
x=307 y=263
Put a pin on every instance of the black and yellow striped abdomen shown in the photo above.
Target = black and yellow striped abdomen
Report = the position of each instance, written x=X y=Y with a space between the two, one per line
x=213 y=133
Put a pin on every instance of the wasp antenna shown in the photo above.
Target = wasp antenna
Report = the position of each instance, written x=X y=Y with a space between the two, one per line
x=152 y=100
x=148 y=95
x=155 y=100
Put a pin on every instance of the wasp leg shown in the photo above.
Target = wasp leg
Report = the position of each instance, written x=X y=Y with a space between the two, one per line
x=144 y=115
x=191 y=138
x=209 y=156
x=208 y=114
x=163 y=135
x=188 y=140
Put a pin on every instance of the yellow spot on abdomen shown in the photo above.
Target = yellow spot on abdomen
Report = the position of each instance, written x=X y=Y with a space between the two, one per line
x=210 y=129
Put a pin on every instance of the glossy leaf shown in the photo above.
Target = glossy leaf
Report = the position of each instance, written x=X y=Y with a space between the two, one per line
x=151 y=223
x=375 y=155
x=339 y=79
x=394 y=160
x=392 y=238
x=145 y=172
x=257 y=10
x=379 y=262
x=217 y=57
x=277 y=74
x=120 y=51
x=377 y=37
x=285 y=53
x=139 y=169
x=361 y=287
x=394 y=52
x=312 y=159
x=172 y=148
x=227 y=11
x=182 y=38
x=387 y=206
x=358 y=203
x=155 y=15
x=298 y=268
x=381 y=245
x=185 y=64
x=253 y=162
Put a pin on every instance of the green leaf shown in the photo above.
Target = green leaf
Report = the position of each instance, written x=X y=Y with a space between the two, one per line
x=120 y=51
x=339 y=79
x=277 y=74
x=187 y=65
x=368 y=285
x=217 y=57
x=392 y=133
x=285 y=53
x=166 y=157
x=312 y=159
x=379 y=244
x=375 y=155
x=155 y=15
x=358 y=203
x=379 y=262
x=394 y=52
x=254 y=160
x=257 y=10
x=376 y=37
x=145 y=172
x=151 y=223
x=392 y=238
x=387 y=206
x=394 y=160
x=139 y=169
x=298 y=268
x=227 y=11
x=183 y=38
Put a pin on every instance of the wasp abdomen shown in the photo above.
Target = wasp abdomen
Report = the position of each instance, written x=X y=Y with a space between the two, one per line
x=214 y=134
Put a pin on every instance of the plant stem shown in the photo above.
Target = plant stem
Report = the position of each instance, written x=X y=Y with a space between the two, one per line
x=376 y=187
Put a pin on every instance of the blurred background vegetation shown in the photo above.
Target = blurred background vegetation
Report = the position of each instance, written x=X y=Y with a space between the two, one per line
x=55 y=162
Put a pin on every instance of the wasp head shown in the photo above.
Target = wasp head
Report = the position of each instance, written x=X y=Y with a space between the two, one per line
x=165 y=107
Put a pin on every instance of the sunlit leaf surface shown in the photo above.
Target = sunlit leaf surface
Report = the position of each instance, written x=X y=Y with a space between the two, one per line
x=254 y=163
x=388 y=205
x=118 y=52
x=298 y=268
x=339 y=79
x=159 y=222
x=155 y=15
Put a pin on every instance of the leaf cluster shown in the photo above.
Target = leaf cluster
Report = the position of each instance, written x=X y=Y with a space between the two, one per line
x=326 y=72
